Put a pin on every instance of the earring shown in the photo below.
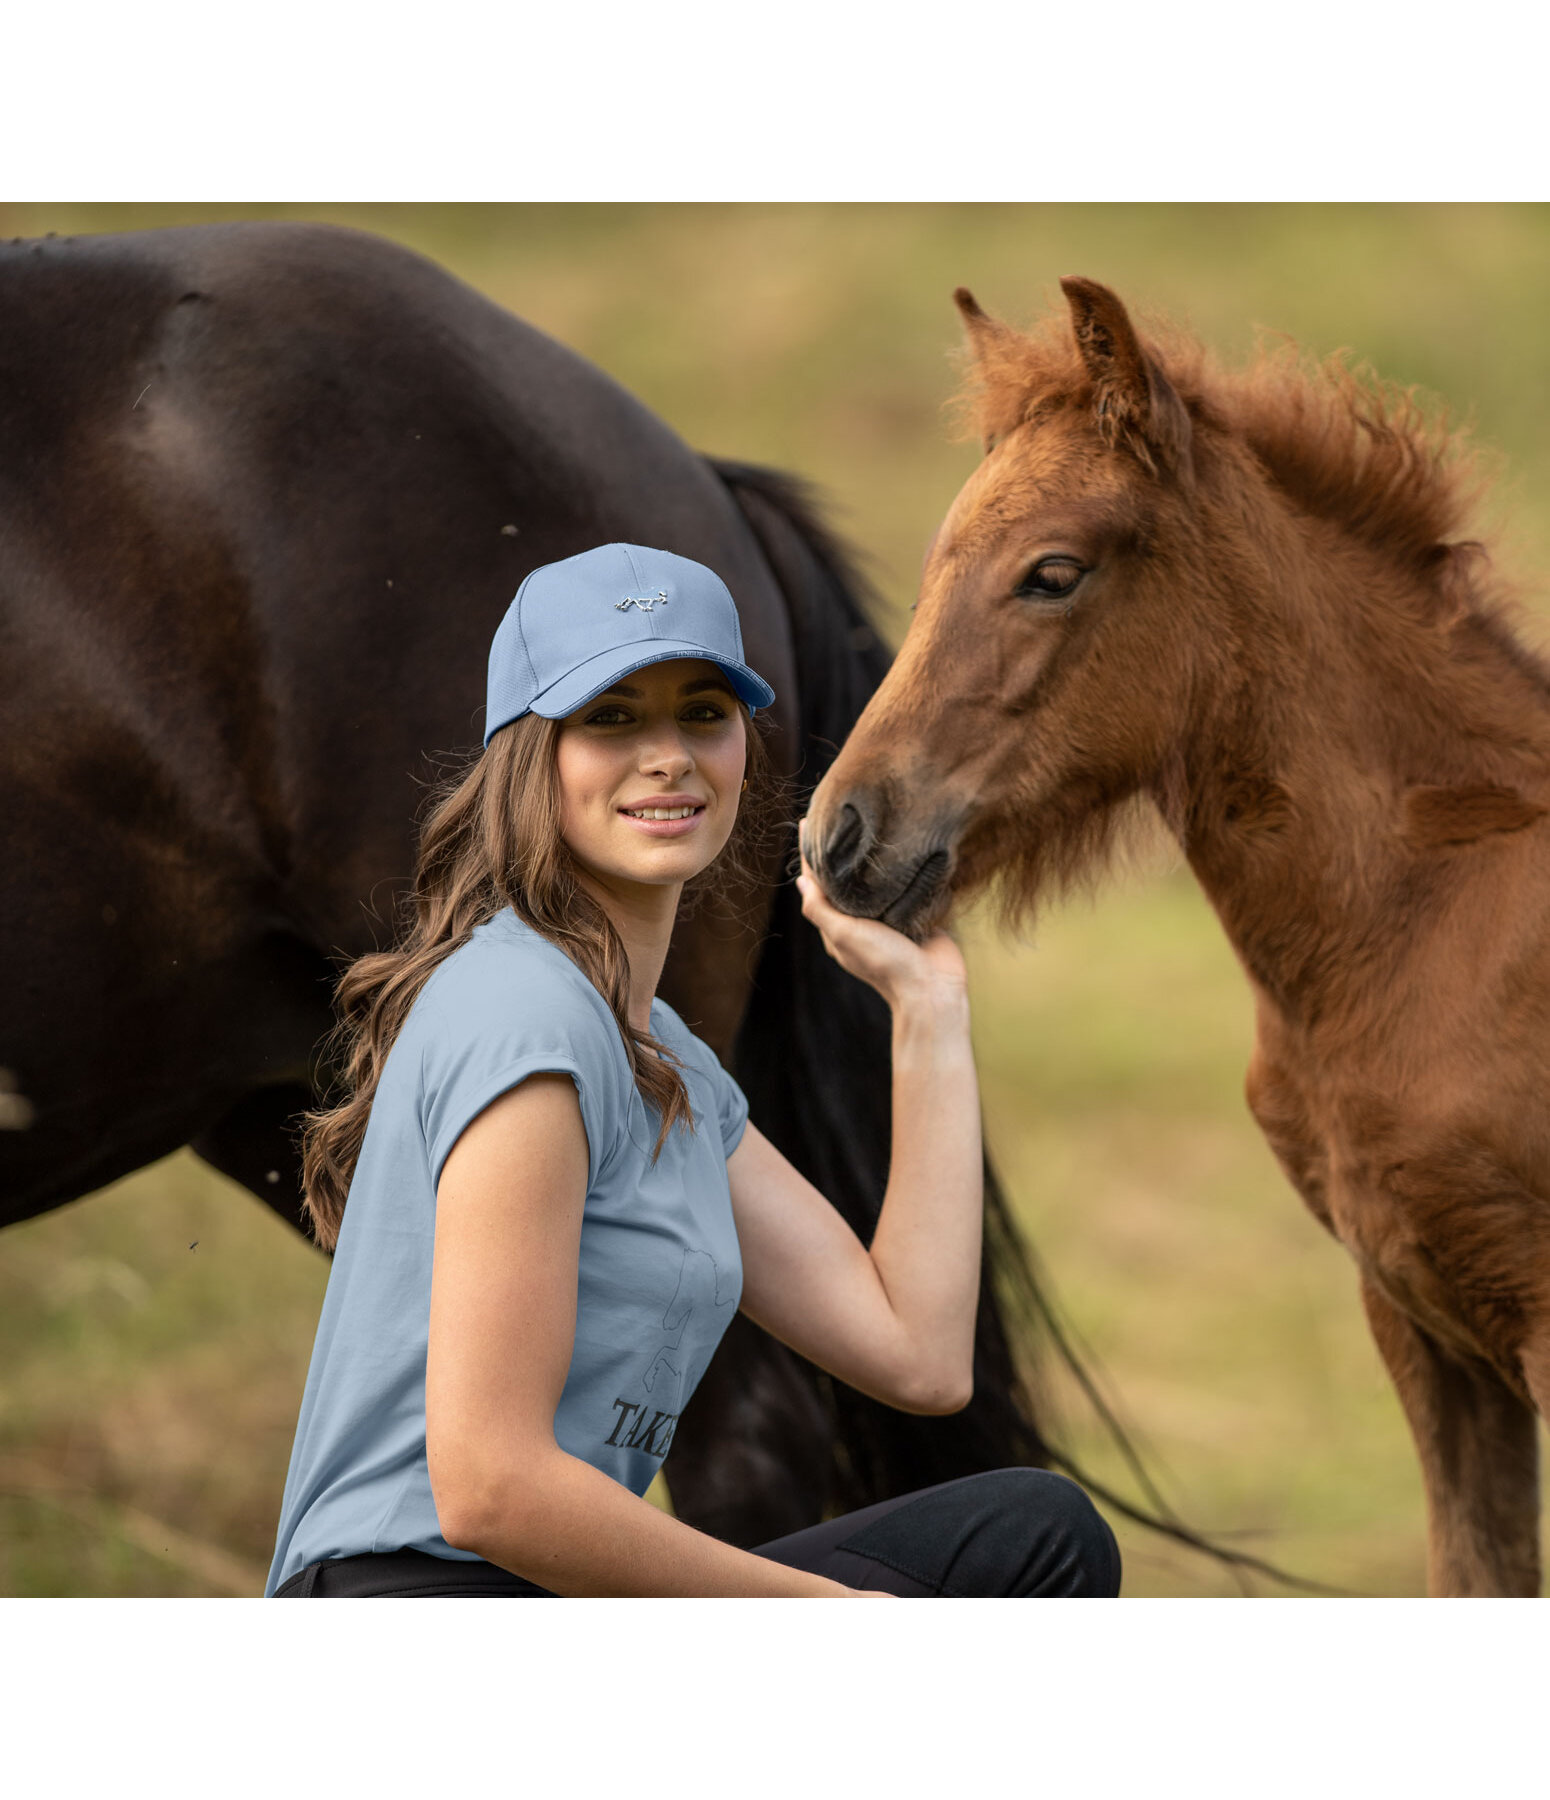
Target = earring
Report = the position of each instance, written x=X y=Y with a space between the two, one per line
x=745 y=787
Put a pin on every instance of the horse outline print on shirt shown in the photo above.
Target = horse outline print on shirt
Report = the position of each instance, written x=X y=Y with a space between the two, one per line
x=699 y=1285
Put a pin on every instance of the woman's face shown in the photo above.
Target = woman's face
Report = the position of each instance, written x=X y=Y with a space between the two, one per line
x=668 y=739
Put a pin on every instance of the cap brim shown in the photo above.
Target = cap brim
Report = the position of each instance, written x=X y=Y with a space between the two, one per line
x=598 y=673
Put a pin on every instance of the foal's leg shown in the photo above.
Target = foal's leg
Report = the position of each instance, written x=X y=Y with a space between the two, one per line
x=1479 y=1461
x=1536 y=1371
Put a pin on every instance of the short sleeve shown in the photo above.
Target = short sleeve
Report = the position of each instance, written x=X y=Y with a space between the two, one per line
x=732 y=1109
x=489 y=1026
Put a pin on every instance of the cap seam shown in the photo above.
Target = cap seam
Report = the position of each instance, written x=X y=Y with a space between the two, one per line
x=629 y=557
x=527 y=655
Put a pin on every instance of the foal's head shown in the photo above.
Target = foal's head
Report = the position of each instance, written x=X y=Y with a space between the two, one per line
x=1047 y=668
x=1148 y=550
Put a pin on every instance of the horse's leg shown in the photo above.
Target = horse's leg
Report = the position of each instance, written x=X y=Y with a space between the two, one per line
x=256 y=1144
x=1479 y=1461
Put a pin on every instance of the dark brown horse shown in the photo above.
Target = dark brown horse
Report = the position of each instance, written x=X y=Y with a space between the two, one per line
x=264 y=493
x=1243 y=598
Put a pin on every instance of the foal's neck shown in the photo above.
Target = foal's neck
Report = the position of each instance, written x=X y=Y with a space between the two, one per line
x=1359 y=741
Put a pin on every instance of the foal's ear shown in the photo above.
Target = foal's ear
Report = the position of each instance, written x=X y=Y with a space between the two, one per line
x=988 y=338
x=1134 y=399
x=983 y=331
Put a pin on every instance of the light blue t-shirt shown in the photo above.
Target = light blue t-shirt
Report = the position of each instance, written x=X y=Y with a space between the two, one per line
x=659 y=1279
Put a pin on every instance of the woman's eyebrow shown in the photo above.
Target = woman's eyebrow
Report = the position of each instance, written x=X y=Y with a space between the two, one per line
x=708 y=681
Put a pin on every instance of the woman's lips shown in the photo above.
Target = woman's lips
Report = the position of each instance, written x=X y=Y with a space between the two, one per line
x=665 y=828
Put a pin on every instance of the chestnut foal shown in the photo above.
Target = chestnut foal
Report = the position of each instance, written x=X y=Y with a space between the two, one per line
x=1240 y=596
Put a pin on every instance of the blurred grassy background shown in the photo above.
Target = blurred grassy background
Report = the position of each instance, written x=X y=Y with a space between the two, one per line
x=154 y=1338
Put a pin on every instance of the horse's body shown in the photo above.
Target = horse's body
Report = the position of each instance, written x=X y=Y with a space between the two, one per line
x=1238 y=596
x=265 y=492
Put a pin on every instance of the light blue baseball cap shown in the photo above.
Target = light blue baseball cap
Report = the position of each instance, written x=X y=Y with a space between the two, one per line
x=578 y=626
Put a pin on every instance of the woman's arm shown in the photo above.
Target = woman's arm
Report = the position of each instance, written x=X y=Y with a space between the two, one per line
x=502 y=1324
x=895 y=1321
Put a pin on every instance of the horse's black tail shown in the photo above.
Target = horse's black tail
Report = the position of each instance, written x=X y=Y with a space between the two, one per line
x=813 y=1057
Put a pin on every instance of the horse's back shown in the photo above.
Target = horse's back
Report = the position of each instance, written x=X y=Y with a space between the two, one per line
x=265 y=491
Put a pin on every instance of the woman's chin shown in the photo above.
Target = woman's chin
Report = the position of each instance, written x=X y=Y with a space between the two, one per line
x=663 y=865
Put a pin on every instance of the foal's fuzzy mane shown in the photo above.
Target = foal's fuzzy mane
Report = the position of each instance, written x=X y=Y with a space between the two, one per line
x=1373 y=457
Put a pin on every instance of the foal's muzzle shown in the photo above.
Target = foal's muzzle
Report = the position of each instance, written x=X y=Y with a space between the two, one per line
x=875 y=865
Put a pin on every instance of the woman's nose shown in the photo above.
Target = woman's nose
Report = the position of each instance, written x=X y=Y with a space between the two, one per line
x=666 y=755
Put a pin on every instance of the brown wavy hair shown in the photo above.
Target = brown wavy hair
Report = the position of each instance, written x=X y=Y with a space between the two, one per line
x=491 y=839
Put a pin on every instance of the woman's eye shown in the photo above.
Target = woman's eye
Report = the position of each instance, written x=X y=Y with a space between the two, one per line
x=608 y=715
x=1051 y=578
x=706 y=713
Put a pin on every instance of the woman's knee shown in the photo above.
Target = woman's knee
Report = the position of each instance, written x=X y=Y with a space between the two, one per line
x=1052 y=1538
x=1007 y=1532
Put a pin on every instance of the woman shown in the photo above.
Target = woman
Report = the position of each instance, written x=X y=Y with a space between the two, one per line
x=556 y=1201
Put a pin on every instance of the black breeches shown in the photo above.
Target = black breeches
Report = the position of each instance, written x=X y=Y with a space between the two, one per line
x=1009 y=1533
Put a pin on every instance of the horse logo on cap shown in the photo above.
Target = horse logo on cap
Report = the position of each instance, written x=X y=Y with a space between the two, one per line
x=647 y=604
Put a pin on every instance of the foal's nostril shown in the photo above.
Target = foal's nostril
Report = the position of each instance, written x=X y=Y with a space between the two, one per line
x=846 y=842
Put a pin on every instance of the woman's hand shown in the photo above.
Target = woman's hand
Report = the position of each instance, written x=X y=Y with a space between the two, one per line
x=885 y=959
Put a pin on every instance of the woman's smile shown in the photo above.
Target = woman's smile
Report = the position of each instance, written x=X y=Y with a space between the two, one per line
x=670 y=815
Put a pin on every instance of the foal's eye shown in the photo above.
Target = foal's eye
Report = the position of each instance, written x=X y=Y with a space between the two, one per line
x=1051 y=578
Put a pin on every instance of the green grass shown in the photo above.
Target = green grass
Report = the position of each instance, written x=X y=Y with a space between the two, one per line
x=154 y=1342
x=148 y=1391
